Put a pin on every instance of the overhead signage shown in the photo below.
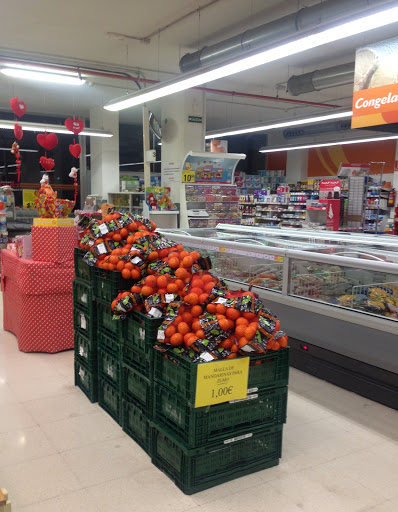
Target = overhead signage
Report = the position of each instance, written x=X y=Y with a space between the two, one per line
x=375 y=100
x=195 y=119
x=347 y=170
x=209 y=168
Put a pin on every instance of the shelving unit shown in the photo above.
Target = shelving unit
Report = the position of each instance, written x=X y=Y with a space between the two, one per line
x=376 y=208
x=127 y=201
x=290 y=214
x=219 y=202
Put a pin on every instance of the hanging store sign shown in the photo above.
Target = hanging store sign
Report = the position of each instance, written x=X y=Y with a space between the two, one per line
x=375 y=100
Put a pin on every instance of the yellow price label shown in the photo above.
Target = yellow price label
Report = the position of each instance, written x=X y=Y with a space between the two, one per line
x=188 y=176
x=221 y=381
x=278 y=258
x=28 y=198
x=222 y=249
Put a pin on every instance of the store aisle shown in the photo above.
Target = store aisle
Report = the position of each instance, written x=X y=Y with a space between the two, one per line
x=58 y=452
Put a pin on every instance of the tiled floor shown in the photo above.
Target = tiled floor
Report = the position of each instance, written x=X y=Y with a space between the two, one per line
x=60 y=453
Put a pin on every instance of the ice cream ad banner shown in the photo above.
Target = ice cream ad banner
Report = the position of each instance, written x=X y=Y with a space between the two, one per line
x=375 y=99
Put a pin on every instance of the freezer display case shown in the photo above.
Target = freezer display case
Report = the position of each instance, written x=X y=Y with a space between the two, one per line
x=335 y=293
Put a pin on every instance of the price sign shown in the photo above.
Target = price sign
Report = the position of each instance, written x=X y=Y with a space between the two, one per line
x=188 y=176
x=221 y=381
x=28 y=198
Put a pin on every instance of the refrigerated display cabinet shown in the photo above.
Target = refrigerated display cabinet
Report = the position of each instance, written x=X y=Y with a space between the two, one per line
x=336 y=295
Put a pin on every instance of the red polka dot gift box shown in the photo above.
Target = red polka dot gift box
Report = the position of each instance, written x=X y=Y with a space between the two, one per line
x=54 y=243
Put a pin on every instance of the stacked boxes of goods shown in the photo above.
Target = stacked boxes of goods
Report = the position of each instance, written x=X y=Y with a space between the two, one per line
x=202 y=447
x=85 y=328
x=175 y=319
x=110 y=335
x=137 y=376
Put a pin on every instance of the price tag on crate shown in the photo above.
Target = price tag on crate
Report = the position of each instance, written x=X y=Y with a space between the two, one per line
x=221 y=381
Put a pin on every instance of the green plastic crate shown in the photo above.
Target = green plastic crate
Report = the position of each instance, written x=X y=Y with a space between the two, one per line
x=84 y=323
x=86 y=379
x=194 y=470
x=85 y=350
x=266 y=371
x=83 y=296
x=110 y=343
x=106 y=323
x=109 y=367
x=141 y=332
x=137 y=387
x=109 y=398
x=83 y=271
x=109 y=283
x=136 y=424
x=198 y=427
x=138 y=361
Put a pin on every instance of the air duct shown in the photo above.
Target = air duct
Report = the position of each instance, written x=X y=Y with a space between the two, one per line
x=321 y=79
x=306 y=19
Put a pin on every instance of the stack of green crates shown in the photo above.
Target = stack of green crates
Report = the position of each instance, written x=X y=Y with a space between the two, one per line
x=202 y=447
x=140 y=334
x=84 y=322
x=110 y=335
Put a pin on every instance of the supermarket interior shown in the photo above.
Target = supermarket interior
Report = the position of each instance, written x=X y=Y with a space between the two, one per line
x=199 y=256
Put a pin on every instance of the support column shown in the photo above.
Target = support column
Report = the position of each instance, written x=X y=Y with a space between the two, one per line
x=297 y=165
x=395 y=178
x=179 y=135
x=104 y=153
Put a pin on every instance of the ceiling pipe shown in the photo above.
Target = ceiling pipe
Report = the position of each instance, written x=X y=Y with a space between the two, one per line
x=321 y=79
x=123 y=76
x=304 y=20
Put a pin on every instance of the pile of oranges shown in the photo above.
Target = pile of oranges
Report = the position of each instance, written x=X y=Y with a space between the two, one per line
x=177 y=281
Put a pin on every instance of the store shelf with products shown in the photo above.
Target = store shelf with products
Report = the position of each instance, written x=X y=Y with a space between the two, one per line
x=218 y=202
x=283 y=209
x=127 y=201
x=338 y=293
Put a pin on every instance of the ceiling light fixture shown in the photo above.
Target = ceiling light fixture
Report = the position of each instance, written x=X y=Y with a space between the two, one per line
x=282 y=124
x=56 y=128
x=314 y=40
x=21 y=150
x=40 y=74
x=326 y=144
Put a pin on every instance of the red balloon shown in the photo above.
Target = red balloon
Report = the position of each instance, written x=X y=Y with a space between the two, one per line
x=47 y=163
x=18 y=132
x=74 y=125
x=47 y=140
x=18 y=106
x=75 y=150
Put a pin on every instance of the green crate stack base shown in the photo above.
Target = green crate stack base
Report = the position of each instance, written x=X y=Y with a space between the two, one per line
x=266 y=371
x=138 y=388
x=204 y=425
x=83 y=297
x=138 y=361
x=106 y=323
x=141 y=332
x=109 y=283
x=87 y=380
x=194 y=470
x=83 y=322
x=86 y=351
x=110 y=399
x=109 y=367
x=136 y=423
x=83 y=272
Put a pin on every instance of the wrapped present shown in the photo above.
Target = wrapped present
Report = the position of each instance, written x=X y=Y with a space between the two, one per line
x=49 y=205
x=54 y=243
x=38 y=303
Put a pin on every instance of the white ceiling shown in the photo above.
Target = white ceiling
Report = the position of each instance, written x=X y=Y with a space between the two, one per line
x=75 y=33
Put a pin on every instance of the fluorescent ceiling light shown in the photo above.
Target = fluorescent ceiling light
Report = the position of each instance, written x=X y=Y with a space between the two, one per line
x=139 y=163
x=55 y=128
x=196 y=78
x=282 y=124
x=326 y=144
x=31 y=67
x=27 y=74
x=159 y=143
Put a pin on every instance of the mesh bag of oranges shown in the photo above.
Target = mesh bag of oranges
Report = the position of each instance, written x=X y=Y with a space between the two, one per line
x=202 y=319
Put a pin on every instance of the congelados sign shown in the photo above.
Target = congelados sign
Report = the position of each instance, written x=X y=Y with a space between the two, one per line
x=375 y=106
x=375 y=99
